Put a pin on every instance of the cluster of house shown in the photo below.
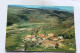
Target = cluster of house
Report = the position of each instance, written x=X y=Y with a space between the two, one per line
x=44 y=39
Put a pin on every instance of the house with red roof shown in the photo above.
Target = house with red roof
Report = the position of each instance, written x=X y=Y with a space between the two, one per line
x=30 y=38
x=43 y=37
x=51 y=35
x=48 y=43
x=55 y=38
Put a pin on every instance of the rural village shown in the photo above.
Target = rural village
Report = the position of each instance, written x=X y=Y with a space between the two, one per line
x=49 y=41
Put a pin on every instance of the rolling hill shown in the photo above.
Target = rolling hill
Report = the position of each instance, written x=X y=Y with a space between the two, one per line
x=33 y=15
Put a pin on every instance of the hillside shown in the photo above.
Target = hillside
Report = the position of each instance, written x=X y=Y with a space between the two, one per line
x=33 y=15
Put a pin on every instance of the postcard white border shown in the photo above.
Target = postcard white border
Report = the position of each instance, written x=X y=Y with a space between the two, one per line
x=3 y=16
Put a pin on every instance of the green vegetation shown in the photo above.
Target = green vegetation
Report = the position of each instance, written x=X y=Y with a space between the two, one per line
x=26 y=21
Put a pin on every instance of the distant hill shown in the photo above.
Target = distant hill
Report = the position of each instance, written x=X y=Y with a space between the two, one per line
x=59 y=8
x=36 y=15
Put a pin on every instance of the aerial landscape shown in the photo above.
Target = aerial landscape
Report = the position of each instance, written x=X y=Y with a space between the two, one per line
x=40 y=28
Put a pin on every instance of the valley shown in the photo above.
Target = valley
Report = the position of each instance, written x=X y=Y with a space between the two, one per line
x=33 y=29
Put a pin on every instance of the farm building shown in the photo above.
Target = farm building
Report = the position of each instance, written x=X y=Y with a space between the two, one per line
x=51 y=35
x=55 y=38
x=30 y=37
x=43 y=37
x=48 y=43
